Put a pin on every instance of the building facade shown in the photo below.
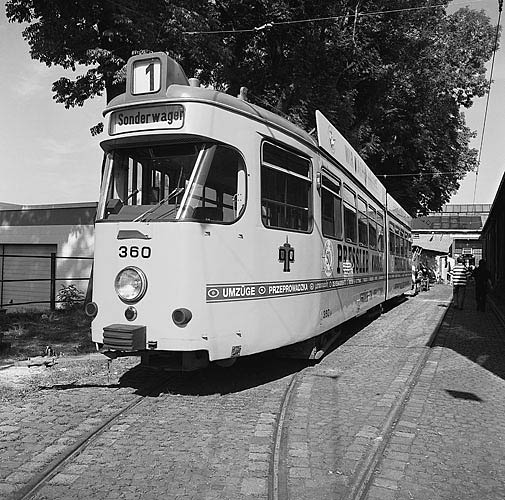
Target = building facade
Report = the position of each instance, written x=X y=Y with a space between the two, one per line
x=42 y=248
x=440 y=237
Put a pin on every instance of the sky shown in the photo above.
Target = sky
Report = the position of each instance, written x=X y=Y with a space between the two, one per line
x=49 y=156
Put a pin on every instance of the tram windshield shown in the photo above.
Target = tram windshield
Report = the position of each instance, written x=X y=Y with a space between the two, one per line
x=185 y=181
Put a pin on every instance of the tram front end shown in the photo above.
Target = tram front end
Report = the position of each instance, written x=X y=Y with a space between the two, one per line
x=172 y=184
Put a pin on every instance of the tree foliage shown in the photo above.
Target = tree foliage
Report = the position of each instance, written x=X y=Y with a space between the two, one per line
x=393 y=75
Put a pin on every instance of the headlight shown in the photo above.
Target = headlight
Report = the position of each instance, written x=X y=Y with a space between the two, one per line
x=130 y=284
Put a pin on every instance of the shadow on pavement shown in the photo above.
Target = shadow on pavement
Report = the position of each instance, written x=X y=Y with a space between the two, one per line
x=478 y=336
x=468 y=396
x=246 y=373
x=74 y=385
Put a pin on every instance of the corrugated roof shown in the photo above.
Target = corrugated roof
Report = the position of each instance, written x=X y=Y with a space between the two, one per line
x=439 y=243
x=49 y=215
x=449 y=222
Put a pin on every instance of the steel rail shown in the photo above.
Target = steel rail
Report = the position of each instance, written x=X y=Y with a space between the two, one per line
x=363 y=477
x=278 y=487
x=51 y=470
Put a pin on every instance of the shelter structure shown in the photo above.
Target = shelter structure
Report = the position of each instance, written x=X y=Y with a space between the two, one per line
x=42 y=248
x=440 y=237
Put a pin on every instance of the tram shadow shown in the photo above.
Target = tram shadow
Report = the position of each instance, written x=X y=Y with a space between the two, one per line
x=248 y=372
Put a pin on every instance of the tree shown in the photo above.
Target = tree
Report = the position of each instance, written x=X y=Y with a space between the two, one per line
x=408 y=117
x=392 y=75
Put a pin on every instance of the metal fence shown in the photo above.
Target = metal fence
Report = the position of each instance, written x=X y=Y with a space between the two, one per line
x=29 y=280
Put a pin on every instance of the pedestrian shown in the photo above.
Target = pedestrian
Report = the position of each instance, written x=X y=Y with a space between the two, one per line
x=459 y=278
x=483 y=284
x=418 y=279
x=414 y=279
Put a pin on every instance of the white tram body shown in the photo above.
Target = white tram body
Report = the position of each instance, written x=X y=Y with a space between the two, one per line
x=224 y=230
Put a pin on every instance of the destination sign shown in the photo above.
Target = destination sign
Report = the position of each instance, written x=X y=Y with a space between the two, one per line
x=146 y=118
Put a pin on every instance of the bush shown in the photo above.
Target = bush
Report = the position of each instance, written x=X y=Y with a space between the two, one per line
x=69 y=297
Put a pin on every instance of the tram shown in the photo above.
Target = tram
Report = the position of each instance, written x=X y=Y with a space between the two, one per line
x=225 y=230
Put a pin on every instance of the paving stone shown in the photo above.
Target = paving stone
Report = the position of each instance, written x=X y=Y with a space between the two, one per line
x=197 y=441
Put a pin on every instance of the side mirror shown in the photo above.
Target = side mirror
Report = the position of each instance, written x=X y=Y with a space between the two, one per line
x=114 y=206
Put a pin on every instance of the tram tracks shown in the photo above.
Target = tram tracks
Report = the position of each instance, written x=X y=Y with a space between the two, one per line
x=278 y=487
x=29 y=490
x=363 y=476
x=285 y=397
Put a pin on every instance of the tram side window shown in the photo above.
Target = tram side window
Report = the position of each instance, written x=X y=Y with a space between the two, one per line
x=380 y=232
x=331 y=209
x=362 y=223
x=350 y=217
x=285 y=189
x=372 y=227
x=392 y=241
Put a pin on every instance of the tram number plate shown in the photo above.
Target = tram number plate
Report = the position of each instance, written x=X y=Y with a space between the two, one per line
x=325 y=313
x=134 y=252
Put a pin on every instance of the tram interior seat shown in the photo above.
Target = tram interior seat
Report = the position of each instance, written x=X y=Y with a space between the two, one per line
x=208 y=213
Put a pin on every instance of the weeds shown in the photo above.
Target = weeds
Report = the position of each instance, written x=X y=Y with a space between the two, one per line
x=70 y=297
x=68 y=373
x=29 y=333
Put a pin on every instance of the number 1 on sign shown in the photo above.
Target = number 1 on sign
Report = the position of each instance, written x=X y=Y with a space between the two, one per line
x=146 y=76
x=150 y=72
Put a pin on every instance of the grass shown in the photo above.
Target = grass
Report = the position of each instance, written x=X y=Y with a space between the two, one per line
x=29 y=333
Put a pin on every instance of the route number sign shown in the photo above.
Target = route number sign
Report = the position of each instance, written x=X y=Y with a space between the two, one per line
x=146 y=76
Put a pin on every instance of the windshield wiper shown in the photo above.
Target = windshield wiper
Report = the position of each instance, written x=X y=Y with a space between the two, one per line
x=175 y=192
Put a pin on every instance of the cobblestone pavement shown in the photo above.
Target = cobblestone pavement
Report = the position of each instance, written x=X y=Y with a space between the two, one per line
x=360 y=414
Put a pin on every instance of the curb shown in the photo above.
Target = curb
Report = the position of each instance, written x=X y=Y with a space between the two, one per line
x=366 y=468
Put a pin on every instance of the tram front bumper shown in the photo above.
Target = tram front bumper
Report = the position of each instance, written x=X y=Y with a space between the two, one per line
x=121 y=337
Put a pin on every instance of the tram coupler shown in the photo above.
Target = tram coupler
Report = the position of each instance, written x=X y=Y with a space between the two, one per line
x=119 y=354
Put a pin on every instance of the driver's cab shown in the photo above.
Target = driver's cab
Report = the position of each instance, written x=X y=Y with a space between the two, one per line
x=173 y=181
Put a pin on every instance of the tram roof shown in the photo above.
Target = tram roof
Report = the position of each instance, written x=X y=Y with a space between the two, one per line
x=177 y=93
x=185 y=93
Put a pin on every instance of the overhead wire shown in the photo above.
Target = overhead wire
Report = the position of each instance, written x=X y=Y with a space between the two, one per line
x=270 y=24
x=273 y=24
x=416 y=174
x=497 y=34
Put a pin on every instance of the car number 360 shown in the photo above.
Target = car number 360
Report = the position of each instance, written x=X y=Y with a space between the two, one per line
x=134 y=252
